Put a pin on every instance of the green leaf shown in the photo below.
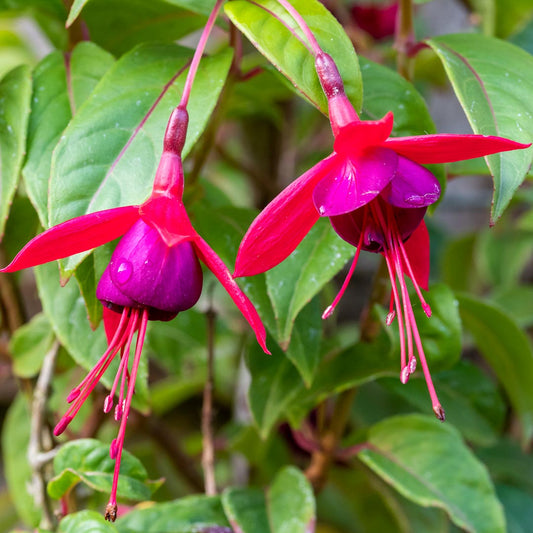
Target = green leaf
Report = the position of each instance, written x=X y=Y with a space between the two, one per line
x=385 y=90
x=246 y=510
x=65 y=308
x=60 y=87
x=203 y=7
x=49 y=14
x=356 y=497
x=358 y=364
x=524 y=38
x=86 y=522
x=88 y=461
x=508 y=464
x=471 y=400
x=119 y=25
x=507 y=350
x=458 y=263
x=501 y=18
x=288 y=507
x=293 y=283
x=516 y=302
x=15 y=92
x=275 y=383
x=111 y=148
x=21 y=226
x=259 y=21
x=15 y=439
x=88 y=275
x=29 y=344
x=515 y=245
x=428 y=463
x=304 y=347
x=518 y=506
x=75 y=10
x=493 y=81
x=291 y=503
x=440 y=333
x=201 y=514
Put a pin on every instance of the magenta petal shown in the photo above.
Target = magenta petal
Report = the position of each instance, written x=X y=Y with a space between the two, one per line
x=74 y=236
x=152 y=274
x=355 y=182
x=412 y=186
x=282 y=225
x=350 y=225
x=110 y=296
x=219 y=269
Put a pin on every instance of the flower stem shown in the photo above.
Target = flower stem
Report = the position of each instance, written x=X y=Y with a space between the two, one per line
x=40 y=452
x=208 y=446
x=198 y=54
x=404 y=39
x=303 y=26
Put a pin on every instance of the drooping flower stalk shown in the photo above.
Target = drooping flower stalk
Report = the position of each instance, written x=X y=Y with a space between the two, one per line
x=154 y=272
x=375 y=192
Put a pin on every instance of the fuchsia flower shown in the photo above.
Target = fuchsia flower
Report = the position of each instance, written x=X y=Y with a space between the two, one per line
x=375 y=192
x=377 y=20
x=154 y=273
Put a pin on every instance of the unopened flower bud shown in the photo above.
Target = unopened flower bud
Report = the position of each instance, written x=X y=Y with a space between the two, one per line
x=145 y=272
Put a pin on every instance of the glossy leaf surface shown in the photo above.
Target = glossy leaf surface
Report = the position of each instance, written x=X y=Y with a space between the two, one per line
x=85 y=522
x=15 y=439
x=61 y=84
x=118 y=26
x=493 y=81
x=88 y=461
x=202 y=514
x=112 y=146
x=29 y=344
x=296 y=280
x=507 y=350
x=15 y=91
x=259 y=21
x=427 y=462
x=287 y=507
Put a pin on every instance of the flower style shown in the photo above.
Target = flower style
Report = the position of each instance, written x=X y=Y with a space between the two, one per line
x=375 y=192
x=154 y=273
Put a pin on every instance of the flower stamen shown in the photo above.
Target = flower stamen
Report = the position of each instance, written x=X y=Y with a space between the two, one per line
x=331 y=308
x=115 y=450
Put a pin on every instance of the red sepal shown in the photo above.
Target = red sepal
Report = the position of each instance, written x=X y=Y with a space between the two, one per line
x=282 y=225
x=74 y=236
x=447 y=148
x=111 y=321
x=417 y=250
x=208 y=256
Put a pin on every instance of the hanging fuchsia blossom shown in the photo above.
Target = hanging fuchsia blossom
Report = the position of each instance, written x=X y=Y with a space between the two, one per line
x=375 y=192
x=154 y=273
